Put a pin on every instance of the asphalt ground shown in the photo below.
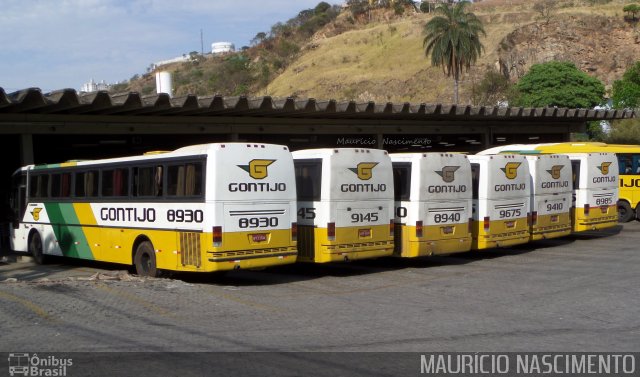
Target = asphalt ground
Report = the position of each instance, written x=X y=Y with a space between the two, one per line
x=578 y=293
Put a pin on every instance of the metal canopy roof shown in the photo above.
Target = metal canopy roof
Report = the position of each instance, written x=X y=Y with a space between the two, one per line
x=68 y=101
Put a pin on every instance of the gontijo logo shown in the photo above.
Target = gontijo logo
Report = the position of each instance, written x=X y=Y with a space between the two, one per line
x=364 y=171
x=257 y=168
x=555 y=171
x=448 y=173
x=604 y=168
x=511 y=169
x=36 y=213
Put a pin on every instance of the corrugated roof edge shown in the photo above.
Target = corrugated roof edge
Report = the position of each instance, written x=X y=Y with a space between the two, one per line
x=68 y=101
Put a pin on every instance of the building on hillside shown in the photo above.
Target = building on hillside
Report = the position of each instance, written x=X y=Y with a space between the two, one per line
x=179 y=59
x=222 y=47
x=93 y=86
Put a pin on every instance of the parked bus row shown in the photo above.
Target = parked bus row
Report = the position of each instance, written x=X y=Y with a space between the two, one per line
x=217 y=207
x=628 y=157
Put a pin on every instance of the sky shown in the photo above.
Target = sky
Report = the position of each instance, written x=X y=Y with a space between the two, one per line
x=59 y=44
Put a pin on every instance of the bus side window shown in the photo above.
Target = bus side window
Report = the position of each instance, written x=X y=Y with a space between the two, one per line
x=308 y=179
x=61 y=185
x=90 y=180
x=625 y=164
x=157 y=181
x=147 y=181
x=38 y=186
x=475 y=179
x=115 y=182
x=575 y=169
x=184 y=179
x=636 y=163
x=402 y=180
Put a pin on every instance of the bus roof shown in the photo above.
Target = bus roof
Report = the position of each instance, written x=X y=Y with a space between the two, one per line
x=192 y=150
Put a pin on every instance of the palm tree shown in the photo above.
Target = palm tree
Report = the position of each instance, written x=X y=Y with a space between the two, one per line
x=453 y=40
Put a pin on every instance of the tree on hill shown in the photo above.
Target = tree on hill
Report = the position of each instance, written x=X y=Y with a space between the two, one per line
x=626 y=92
x=546 y=8
x=453 y=40
x=626 y=131
x=558 y=84
x=632 y=10
x=493 y=89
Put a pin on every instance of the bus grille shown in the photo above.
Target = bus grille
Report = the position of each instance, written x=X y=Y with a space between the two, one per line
x=190 y=249
x=248 y=253
x=343 y=246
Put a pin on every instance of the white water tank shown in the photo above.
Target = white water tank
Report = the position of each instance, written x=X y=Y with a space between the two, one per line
x=163 y=83
x=222 y=47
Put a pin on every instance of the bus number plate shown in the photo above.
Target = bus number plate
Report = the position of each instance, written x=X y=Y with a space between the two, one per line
x=364 y=233
x=447 y=230
x=259 y=237
x=510 y=224
x=604 y=209
x=554 y=218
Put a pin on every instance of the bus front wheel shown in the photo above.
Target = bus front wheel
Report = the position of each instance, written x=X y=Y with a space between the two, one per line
x=35 y=248
x=145 y=260
x=625 y=213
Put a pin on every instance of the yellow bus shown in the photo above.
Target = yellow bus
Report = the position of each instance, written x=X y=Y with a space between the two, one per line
x=595 y=180
x=501 y=190
x=551 y=194
x=628 y=157
x=433 y=203
x=202 y=208
x=345 y=204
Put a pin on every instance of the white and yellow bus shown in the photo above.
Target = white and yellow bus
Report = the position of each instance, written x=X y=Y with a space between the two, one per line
x=551 y=195
x=433 y=197
x=501 y=190
x=628 y=157
x=210 y=207
x=345 y=204
x=594 y=177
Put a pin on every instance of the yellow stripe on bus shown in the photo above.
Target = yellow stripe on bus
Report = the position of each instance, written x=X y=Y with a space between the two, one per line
x=436 y=240
x=551 y=226
x=352 y=243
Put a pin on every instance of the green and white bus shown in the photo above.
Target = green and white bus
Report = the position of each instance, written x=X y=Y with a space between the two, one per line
x=210 y=207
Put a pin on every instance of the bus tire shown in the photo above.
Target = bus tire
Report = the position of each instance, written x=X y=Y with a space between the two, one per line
x=638 y=212
x=625 y=213
x=35 y=248
x=144 y=260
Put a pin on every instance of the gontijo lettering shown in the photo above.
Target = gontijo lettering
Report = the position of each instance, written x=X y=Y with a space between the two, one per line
x=128 y=214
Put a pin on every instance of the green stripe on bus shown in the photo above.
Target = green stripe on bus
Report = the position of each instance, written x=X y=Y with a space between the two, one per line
x=68 y=231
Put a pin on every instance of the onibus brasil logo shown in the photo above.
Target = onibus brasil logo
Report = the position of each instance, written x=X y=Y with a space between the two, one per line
x=32 y=365
x=257 y=168
x=511 y=169
x=448 y=173
x=604 y=168
x=364 y=170
x=555 y=171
